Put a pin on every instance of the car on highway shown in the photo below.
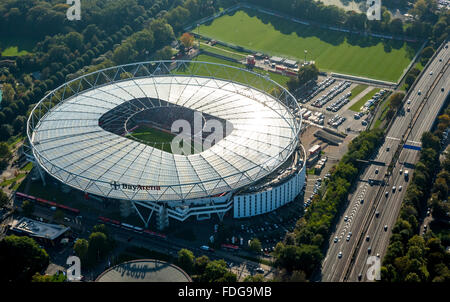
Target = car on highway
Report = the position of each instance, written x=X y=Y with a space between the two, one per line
x=378 y=255
x=335 y=239
x=345 y=218
x=385 y=227
x=376 y=171
x=400 y=188
x=360 y=276
x=393 y=189
x=369 y=250
x=431 y=72
x=340 y=255
x=408 y=109
x=377 y=214
x=442 y=89
x=401 y=171
x=386 y=194
x=419 y=92
x=348 y=237
x=387 y=149
x=362 y=200
x=408 y=102
x=367 y=238
x=260 y=270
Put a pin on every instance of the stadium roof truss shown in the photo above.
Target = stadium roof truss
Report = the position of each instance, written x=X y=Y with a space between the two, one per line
x=68 y=143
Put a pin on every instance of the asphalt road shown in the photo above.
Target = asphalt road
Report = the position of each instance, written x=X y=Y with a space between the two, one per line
x=361 y=216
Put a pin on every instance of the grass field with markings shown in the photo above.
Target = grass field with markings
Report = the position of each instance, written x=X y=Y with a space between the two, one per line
x=335 y=51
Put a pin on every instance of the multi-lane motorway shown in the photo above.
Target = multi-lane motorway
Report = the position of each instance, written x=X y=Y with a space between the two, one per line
x=346 y=260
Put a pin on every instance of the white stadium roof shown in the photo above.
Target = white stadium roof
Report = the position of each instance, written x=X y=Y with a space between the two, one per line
x=70 y=145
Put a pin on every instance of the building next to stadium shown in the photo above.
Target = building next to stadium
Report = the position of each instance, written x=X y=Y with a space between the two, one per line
x=80 y=134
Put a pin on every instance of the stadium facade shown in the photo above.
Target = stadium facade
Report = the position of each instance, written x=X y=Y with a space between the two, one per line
x=82 y=134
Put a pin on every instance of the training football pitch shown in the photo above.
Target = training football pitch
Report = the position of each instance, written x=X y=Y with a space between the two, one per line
x=334 y=51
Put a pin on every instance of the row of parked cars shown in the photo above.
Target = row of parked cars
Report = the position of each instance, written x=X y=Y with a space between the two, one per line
x=339 y=103
x=336 y=120
x=337 y=89
x=317 y=89
x=317 y=186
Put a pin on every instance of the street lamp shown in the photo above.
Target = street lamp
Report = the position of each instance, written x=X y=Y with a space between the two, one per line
x=198 y=34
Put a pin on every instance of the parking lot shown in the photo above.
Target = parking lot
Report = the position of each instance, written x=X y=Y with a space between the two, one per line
x=327 y=102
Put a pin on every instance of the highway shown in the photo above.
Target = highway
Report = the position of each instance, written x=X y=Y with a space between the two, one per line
x=362 y=220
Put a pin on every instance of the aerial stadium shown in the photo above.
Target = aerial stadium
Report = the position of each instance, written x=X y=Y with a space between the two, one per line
x=179 y=139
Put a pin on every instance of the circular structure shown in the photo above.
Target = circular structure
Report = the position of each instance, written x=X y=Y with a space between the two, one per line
x=213 y=129
x=144 y=270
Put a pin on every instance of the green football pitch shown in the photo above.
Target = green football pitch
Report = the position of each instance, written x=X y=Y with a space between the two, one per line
x=156 y=138
x=334 y=51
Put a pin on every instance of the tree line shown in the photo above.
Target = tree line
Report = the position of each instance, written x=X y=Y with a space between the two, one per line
x=302 y=250
x=411 y=257
x=430 y=22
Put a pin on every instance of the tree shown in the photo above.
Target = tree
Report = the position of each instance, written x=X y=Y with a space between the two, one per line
x=186 y=260
x=143 y=40
x=19 y=123
x=200 y=264
x=21 y=258
x=4 y=150
x=163 y=54
x=298 y=276
x=6 y=131
x=254 y=278
x=81 y=248
x=8 y=92
x=177 y=17
x=412 y=277
x=255 y=245
x=426 y=54
x=27 y=208
x=124 y=54
x=409 y=79
x=162 y=32
x=74 y=41
x=217 y=271
x=3 y=199
x=187 y=40
x=395 y=100
x=307 y=73
x=58 y=277
x=98 y=246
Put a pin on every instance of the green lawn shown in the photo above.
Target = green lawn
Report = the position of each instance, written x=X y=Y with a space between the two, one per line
x=238 y=76
x=333 y=51
x=153 y=137
x=357 y=106
x=16 y=46
x=357 y=90
x=156 y=138
x=223 y=52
